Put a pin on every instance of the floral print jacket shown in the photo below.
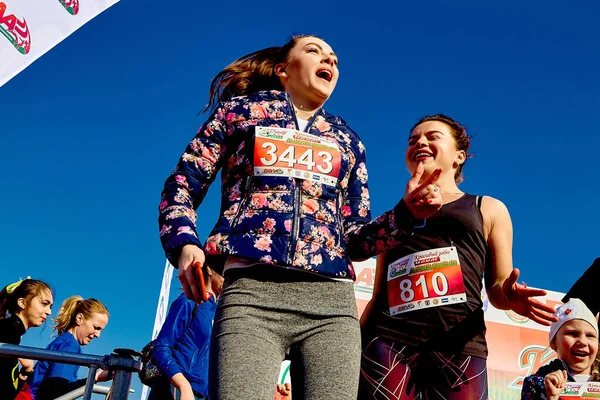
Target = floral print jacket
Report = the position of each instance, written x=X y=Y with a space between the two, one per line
x=272 y=219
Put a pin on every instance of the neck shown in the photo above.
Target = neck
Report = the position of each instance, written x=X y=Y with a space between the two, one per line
x=304 y=108
x=447 y=184
x=23 y=320
x=303 y=114
x=588 y=371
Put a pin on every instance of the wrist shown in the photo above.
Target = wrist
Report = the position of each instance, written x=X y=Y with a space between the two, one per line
x=25 y=373
x=185 y=388
x=405 y=219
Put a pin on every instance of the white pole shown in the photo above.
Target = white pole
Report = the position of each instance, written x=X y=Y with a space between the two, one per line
x=161 y=310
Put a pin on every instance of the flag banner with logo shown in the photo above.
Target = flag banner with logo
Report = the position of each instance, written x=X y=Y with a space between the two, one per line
x=31 y=28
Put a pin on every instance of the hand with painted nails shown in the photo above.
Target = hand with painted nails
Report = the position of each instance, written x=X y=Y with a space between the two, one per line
x=422 y=196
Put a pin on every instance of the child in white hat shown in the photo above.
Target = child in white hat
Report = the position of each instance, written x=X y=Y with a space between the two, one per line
x=574 y=337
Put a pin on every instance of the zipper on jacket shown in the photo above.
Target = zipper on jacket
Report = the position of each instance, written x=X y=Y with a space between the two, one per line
x=340 y=210
x=297 y=190
x=295 y=223
x=315 y=115
x=235 y=221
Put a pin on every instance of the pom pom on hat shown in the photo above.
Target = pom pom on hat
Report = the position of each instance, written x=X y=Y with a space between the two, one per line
x=572 y=309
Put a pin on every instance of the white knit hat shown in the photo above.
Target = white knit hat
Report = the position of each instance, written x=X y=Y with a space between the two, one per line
x=572 y=309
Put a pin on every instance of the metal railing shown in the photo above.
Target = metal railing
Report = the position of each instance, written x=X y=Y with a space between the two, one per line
x=77 y=393
x=122 y=361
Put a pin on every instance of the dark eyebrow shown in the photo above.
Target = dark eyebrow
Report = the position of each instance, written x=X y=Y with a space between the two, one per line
x=426 y=133
x=320 y=48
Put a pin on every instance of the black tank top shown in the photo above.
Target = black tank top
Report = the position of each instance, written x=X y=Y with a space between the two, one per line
x=457 y=328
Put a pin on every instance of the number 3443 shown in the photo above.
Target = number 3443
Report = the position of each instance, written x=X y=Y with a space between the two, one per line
x=323 y=160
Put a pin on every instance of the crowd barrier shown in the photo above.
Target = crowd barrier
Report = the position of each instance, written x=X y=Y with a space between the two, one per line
x=123 y=362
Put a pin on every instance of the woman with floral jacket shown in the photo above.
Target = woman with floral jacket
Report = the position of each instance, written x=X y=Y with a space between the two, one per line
x=294 y=213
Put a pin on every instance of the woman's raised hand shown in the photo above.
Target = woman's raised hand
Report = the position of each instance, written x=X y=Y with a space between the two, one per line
x=423 y=199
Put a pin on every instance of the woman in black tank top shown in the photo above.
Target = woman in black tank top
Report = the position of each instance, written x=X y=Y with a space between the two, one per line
x=424 y=330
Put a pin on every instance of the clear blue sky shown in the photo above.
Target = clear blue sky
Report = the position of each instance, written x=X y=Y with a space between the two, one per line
x=91 y=130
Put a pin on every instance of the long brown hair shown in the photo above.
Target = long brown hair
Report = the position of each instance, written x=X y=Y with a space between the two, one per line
x=251 y=73
x=73 y=306
x=26 y=289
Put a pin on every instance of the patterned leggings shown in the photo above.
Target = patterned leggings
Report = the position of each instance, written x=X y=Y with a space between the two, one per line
x=390 y=370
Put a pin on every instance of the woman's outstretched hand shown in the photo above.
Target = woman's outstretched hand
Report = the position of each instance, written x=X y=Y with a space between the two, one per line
x=521 y=300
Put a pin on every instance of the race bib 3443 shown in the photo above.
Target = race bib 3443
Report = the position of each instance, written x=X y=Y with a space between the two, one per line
x=289 y=152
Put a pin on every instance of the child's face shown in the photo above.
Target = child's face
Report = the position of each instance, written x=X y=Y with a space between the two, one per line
x=576 y=343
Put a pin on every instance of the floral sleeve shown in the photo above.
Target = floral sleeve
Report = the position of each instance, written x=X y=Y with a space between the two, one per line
x=187 y=186
x=533 y=388
x=365 y=237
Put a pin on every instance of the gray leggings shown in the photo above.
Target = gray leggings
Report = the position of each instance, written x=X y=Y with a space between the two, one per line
x=266 y=311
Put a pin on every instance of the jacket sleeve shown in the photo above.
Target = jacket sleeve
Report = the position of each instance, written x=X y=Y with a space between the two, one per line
x=177 y=320
x=188 y=184
x=366 y=238
x=533 y=388
x=584 y=288
x=56 y=379
x=9 y=366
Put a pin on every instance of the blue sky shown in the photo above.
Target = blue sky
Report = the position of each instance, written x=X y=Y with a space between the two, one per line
x=91 y=130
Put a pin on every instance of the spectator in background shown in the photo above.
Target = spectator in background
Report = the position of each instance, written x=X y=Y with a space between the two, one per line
x=24 y=304
x=78 y=322
x=181 y=349
x=575 y=339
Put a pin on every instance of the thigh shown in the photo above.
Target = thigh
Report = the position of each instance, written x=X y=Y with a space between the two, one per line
x=325 y=364
x=458 y=377
x=385 y=372
x=245 y=355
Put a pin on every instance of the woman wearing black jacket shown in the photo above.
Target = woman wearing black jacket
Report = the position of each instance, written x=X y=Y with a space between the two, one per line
x=23 y=305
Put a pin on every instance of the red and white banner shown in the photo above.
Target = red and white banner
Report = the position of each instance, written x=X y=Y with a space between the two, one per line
x=31 y=28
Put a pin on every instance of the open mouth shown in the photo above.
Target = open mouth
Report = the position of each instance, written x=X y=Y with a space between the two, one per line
x=581 y=354
x=422 y=155
x=325 y=74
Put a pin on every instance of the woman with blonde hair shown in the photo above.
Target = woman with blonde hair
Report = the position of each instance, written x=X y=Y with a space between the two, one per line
x=24 y=304
x=78 y=322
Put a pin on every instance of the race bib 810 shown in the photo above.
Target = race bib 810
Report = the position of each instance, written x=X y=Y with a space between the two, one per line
x=425 y=279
